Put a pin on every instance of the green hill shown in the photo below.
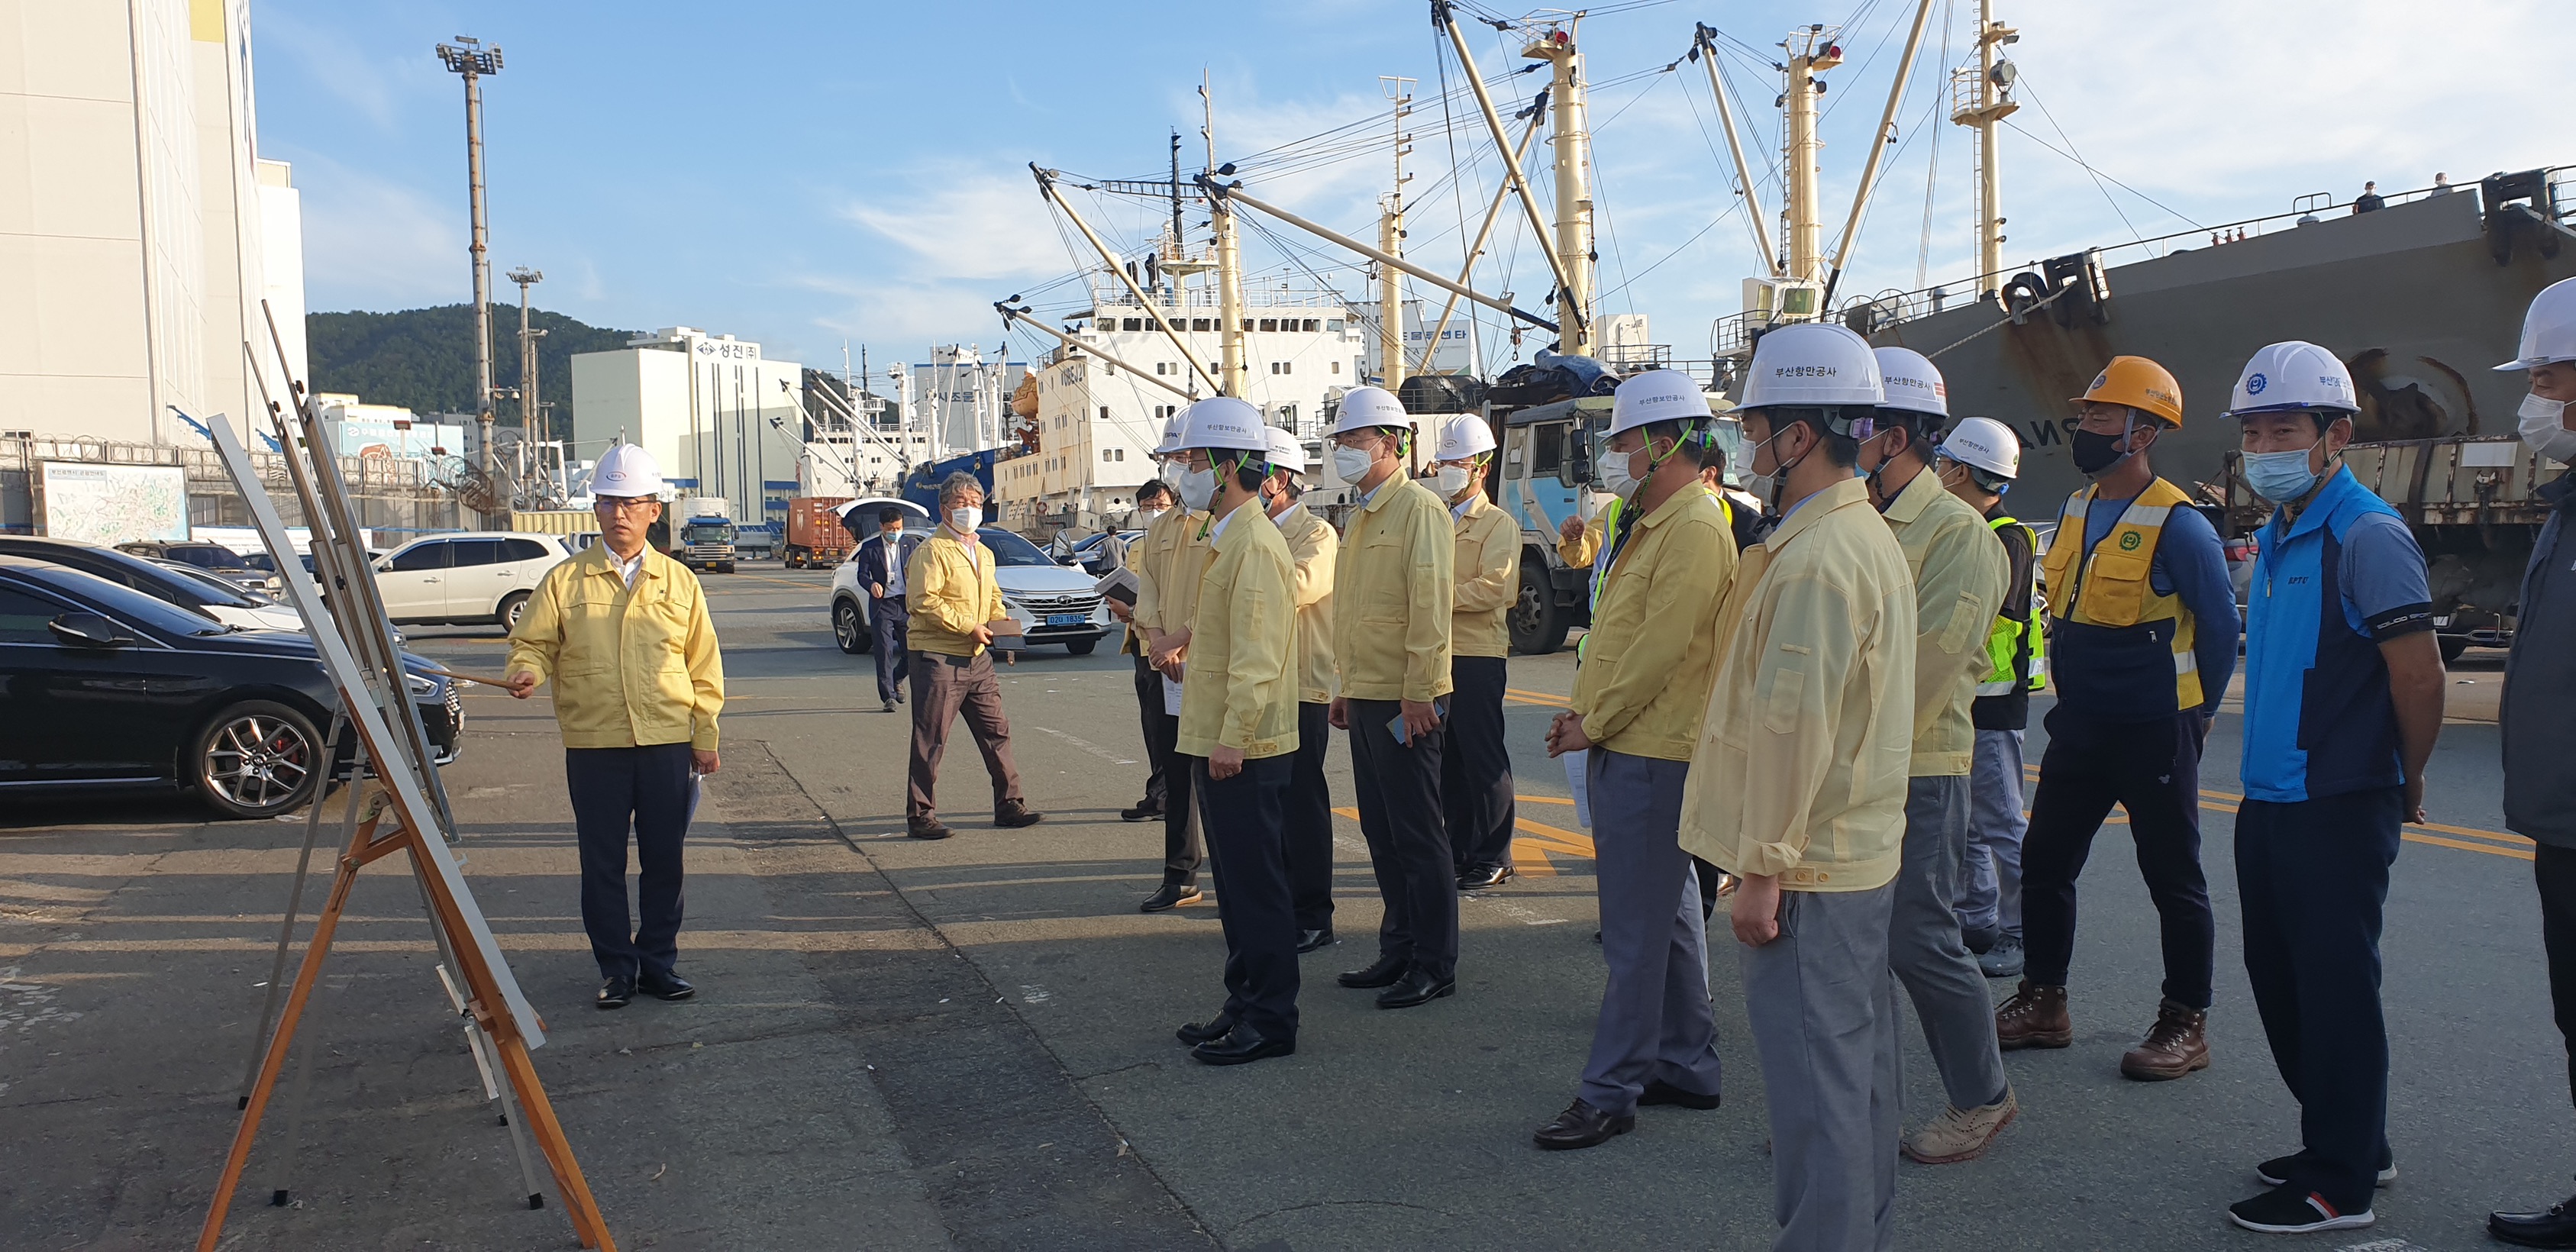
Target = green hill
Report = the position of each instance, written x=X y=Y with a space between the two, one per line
x=423 y=359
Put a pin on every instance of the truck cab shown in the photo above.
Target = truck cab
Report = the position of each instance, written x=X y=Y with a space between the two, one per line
x=706 y=543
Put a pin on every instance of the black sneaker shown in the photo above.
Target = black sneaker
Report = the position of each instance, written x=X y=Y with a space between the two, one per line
x=615 y=992
x=1145 y=810
x=2276 y=1172
x=2288 y=1211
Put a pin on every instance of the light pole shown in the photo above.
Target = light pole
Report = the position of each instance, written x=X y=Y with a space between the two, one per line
x=468 y=56
x=531 y=412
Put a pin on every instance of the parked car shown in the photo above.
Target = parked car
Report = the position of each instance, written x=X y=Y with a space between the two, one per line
x=103 y=686
x=466 y=577
x=187 y=586
x=214 y=558
x=1092 y=554
x=1052 y=604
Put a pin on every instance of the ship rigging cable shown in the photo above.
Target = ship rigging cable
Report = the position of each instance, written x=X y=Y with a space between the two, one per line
x=2071 y=154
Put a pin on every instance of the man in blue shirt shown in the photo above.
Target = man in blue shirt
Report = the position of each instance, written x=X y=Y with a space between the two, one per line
x=2343 y=699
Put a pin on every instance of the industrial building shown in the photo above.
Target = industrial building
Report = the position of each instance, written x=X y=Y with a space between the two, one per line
x=139 y=227
x=723 y=419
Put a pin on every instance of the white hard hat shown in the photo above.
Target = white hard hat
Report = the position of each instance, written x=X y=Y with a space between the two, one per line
x=626 y=470
x=1812 y=363
x=2289 y=376
x=2549 y=329
x=1171 y=436
x=1911 y=382
x=1285 y=452
x=1464 y=436
x=1223 y=424
x=1986 y=444
x=1656 y=396
x=1367 y=408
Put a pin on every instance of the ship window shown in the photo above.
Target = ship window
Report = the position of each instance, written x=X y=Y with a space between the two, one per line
x=1198 y=323
x=1337 y=367
x=1308 y=324
x=1334 y=325
x=1133 y=323
x=1270 y=323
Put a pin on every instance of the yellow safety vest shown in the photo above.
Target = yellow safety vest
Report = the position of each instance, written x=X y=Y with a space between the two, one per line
x=2113 y=589
x=2017 y=650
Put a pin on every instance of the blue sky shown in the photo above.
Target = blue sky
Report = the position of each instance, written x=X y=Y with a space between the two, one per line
x=810 y=174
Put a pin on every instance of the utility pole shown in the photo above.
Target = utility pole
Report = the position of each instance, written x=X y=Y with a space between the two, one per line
x=1390 y=240
x=531 y=414
x=1979 y=98
x=1811 y=52
x=1573 y=143
x=1229 y=262
x=468 y=57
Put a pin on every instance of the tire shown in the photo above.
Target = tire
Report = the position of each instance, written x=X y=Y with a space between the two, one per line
x=256 y=759
x=847 y=630
x=725 y=568
x=1082 y=647
x=2452 y=647
x=1536 y=620
x=794 y=558
x=512 y=605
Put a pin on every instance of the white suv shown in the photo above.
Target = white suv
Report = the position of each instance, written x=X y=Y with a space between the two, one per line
x=466 y=577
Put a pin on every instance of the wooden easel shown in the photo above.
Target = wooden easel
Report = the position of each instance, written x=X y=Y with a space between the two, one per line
x=366 y=846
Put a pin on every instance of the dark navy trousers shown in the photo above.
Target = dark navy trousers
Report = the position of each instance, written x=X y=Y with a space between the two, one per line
x=649 y=791
x=888 y=622
x=1398 y=791
x=1476 y=766
x=1308 y=823
x=2151 y=769
x=1247 y=856
x=2313 y=876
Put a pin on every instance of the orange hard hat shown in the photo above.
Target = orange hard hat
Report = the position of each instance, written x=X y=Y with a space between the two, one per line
x=2138 y=383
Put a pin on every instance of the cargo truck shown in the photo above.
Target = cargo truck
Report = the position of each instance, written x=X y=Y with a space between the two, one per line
x=705 y=533
x=816 y=539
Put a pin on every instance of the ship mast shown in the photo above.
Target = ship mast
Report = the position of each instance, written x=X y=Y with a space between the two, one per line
x=1981 y=97
x=1390 y=240
x=1573 y=141
x=1811 y=51
x=1229 y=263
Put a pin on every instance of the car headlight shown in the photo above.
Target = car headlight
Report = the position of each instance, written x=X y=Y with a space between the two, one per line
x=421 y=684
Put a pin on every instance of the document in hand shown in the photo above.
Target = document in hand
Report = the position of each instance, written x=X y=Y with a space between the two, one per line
x=1119 y=585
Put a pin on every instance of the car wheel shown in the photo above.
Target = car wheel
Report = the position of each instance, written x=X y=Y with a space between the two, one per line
x=258 y=758
x=1081 y=647
x=2452 y=646
x=512 y=605
x=847 y=630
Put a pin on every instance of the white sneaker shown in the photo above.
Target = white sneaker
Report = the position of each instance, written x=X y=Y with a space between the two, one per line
x=1962 y=1134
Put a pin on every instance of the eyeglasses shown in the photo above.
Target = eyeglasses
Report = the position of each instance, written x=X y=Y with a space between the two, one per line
x=622 y=504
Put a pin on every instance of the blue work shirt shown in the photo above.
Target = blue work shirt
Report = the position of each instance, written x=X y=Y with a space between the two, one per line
x=2328 y=589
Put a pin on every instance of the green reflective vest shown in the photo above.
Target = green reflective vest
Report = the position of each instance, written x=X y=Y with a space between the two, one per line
x=2016 y=651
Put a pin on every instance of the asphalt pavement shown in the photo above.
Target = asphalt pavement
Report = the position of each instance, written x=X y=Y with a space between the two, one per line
x=968 y=1044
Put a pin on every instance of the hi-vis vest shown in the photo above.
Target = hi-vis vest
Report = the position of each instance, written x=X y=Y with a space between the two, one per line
x=2017 y=651
x=2110 y=597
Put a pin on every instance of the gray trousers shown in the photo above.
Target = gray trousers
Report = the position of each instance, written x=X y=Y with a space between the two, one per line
x=1655 y=1023
x=1823 y=1014
x=1990 y=885
x=1924 y=948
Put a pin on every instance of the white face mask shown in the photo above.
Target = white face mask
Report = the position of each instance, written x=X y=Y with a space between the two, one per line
x=2544 y=428
x=1148 y=516
x=1618 y=473
x=965 y=518
x=1198 y=487
x=1454 y=479
x=1352 y=464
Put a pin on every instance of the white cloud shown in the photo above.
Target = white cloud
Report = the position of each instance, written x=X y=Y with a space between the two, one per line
x=372 y=85
x=370 y=243
x=966 y=222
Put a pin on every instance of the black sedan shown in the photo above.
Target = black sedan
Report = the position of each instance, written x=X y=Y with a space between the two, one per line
x=187 y=586
x=102 y=686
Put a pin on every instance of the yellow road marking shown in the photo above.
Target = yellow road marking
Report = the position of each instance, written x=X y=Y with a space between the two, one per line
x=1529 y=854
x=2226 y=802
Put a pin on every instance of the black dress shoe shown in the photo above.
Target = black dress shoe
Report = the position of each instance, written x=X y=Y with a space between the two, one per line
x=1387 y=971
x=1170 y=895
x=614 y=993
x=1484 y=877
x=2554 y=1228
x=1416 y=987
x=1145 y=811
x=1196 y=1033
x=1309 y=940
x=926 y=828
x=1582 y=1126
x=664 y=986
x=1242 y=1044
x=1981 y=942
x=1661 y=1092
x=1014 y=814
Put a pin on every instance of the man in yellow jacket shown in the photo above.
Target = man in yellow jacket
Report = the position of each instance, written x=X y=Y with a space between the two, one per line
x=1313 y=546
x=954 y=602
x=1391 y=607
x=1239 y=730
x=1168 y=562
x=1638 y=700
x=1798 y=785
x=605 y=627
x=1475 y=763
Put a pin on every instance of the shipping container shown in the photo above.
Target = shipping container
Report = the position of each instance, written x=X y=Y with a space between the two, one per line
x=816 y=539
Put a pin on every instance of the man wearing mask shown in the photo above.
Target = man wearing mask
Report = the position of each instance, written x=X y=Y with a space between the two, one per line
x=1475 y=763
x=1798 y=784
x=1239 y=730
x=2343 y=699
x=1153 y=500
x=1307 y=826
x=1743 y=511
x=1636 y=708
x=1978 y=462
x=637 y=730
x=1392 y=601
x=881 y=562
x=954 y=603
x=1958 y=570
x=1168 y=563
x=2143 y=623
x=2539 y=688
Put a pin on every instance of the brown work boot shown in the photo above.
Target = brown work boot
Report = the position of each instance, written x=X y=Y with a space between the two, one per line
x=2035 y=1017
x=2176 y=1045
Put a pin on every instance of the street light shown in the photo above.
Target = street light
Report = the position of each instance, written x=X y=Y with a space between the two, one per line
x=468 y=57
